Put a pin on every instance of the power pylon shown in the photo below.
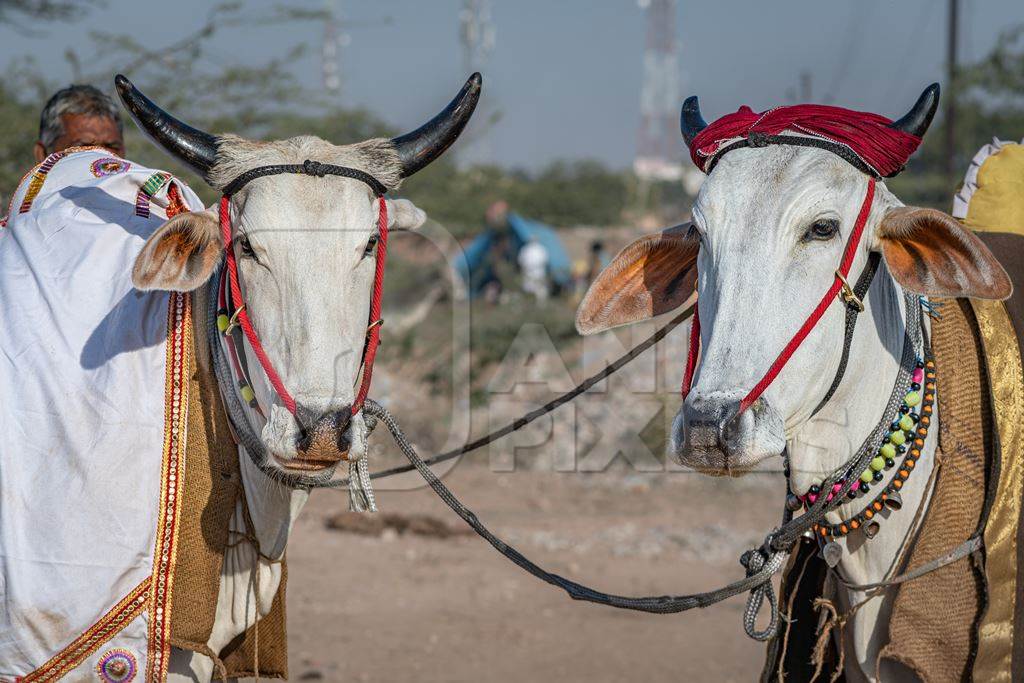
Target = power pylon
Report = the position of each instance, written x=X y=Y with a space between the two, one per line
x=658 y=144
x=476 y=31
x=477 y=35
x=336 y=37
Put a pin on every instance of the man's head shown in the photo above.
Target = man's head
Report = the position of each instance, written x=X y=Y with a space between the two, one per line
x=79 y=116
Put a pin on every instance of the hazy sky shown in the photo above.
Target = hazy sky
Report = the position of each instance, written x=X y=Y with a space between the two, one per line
x=565 y=74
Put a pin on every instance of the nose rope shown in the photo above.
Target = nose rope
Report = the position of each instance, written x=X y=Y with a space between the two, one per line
x=241 y=315
x=373 y=332
x=692 y=353
x=838 y=287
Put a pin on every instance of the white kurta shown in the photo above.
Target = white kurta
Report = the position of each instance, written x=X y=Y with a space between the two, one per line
x=89 y=427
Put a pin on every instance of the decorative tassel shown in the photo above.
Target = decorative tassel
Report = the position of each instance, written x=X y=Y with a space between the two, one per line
x=360 y=489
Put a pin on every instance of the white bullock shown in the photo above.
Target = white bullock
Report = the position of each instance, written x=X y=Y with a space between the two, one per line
x=306 y=246
x=769 y=227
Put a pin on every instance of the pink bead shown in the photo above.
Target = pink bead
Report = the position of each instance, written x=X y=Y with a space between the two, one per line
x=856 y=486
x=811 y=498
x=830 y=496
x=918 y=375
x=836 y=487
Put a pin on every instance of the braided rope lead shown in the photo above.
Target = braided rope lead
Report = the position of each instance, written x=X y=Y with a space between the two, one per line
x=754 y=561
x=761 y=564
x=551 y=405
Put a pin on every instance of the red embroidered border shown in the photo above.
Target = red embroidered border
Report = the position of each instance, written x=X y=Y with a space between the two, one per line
x=109 y=625
x=179 y=350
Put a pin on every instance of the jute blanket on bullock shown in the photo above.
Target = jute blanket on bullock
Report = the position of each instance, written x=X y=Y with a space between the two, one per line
x=212 y=488
x=964 y=621
x=100 y=414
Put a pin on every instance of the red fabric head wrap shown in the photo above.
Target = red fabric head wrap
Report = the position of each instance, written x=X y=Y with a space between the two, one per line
x=882 y=149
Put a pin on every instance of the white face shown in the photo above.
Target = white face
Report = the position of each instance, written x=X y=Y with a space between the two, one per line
x=769 y=229
x=306 y=251
x=773 y=224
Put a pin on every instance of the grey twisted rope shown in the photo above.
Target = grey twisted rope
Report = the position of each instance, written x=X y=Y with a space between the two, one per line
x=758 y=573
x=551 y=405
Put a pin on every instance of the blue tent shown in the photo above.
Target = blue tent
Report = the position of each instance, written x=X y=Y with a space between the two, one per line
x=521 y=231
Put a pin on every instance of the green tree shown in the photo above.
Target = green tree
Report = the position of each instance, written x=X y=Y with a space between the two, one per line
x=12 y=11
x=990 y=103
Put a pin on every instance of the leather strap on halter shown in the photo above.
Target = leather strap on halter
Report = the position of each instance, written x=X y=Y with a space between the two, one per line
x=853 y=311
x=839 y=287
x=317 y=169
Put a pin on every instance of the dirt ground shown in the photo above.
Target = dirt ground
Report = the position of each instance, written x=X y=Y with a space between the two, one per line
x=397 y=607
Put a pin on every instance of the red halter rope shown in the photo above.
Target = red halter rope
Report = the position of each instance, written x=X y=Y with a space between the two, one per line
x=242 y=316
x=839 y=286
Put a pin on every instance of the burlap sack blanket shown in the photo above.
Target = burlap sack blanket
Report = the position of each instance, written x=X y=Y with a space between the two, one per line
x=212 y=487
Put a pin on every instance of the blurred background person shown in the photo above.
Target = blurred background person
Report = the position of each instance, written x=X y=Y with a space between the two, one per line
x=79 y=116
x=533 y=265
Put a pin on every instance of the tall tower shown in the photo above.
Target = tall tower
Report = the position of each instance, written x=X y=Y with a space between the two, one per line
x=658 y=143
x=477 y=35
x=336 y=37
x=333 y=40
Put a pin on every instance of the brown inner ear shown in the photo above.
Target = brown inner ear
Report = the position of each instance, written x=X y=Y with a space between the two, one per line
x=179 y=257
x=175 y=247
x=651 y=276
x=930 y=253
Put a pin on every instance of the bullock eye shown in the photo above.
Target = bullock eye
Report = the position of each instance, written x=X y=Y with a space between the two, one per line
x=370 y=244
x=822 y=229
x=247 y=251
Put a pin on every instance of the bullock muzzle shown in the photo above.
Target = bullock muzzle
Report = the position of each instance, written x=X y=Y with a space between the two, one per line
x=712 y=436
x=323 y=441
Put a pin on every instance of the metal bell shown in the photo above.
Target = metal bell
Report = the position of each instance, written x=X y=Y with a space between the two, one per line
x=832 y=553
x=894 y=501
x=870 y=529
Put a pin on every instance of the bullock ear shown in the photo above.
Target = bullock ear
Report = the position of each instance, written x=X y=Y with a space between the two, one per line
x=653 y=275
x=404 y=215
x=929 y=252
x=181 y=255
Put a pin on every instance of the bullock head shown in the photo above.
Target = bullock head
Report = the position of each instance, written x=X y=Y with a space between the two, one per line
x=305 y=248
x=768 y=230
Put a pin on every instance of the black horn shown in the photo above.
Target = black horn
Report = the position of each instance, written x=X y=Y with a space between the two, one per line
x=917 y=120
x=429 y=141
x=193 y=147
x=690 y=120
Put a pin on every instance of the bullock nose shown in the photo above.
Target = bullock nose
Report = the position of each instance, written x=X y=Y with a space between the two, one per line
x=712 y=435
x=707 y=420
x=324 y=436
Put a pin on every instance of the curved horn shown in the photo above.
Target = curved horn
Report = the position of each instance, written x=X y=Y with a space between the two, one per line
x=429 y=141
x=690 y=120
x=193 y=147
x=917 y=120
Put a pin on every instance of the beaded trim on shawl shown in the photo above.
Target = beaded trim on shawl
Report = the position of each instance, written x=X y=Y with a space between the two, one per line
x=179 y=352
x=122 y=614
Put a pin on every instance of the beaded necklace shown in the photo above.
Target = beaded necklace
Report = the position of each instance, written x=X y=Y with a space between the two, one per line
x=906 y=437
